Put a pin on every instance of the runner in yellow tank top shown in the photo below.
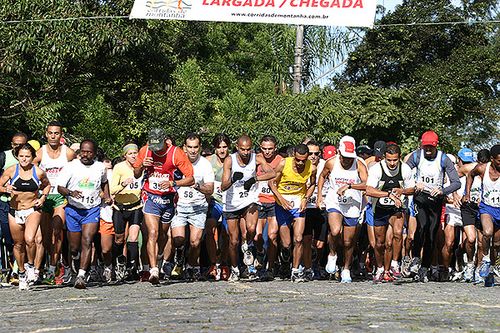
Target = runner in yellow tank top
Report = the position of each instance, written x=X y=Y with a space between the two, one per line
x=291 y=191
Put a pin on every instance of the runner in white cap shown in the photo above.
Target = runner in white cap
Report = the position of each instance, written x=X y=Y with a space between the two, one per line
x=347 y=177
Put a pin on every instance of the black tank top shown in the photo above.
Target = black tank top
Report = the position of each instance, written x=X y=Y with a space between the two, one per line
x=388 y=183
x=23 y=185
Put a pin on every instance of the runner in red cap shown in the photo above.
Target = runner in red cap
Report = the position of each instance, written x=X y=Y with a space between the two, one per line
x=159 y=159
x=431 y=166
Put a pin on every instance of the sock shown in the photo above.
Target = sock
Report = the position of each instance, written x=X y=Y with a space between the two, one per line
x=132 y=253
x=145 y=268
x=486 y=257
x=380 y=270
x=52 y=269
x=236 y=269
x=394 y=264
x=117 y=250
x=81 y=273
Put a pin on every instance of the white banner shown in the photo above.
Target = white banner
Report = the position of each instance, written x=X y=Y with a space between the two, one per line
x=352 y=13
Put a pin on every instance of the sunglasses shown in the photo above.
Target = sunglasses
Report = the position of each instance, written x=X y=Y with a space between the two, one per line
x=315 y=153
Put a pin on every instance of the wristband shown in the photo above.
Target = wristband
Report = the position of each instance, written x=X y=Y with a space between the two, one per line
x=349 y=186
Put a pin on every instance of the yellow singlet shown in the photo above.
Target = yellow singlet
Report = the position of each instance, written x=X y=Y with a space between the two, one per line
x=293 y=183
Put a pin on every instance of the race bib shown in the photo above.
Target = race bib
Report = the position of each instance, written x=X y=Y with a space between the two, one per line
x=293 y=200
x=154 y=183
x=265 y=190
x=87 y=197
x=386 y=201
x=344 y=200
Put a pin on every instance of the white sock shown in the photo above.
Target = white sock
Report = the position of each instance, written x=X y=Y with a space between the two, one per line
x=486 y=257
x=380 y=270
x=81 y=273
x=394 y=264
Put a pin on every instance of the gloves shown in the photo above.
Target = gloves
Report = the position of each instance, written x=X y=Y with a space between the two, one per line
x=237 y=176
x=248 y=183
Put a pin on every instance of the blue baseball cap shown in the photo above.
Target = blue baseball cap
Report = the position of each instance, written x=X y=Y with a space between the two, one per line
x=466 y=155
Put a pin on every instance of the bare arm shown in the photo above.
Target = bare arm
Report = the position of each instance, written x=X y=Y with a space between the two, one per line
x=226 y=174
x=321 y=181
x=268 y=172
x=478 y=170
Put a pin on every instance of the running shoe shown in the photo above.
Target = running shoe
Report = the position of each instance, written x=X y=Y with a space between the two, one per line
x=167 y=269
x=308 y=274
x=435 y=274
x=75 y=265
x=469 y=273
x=213 y=273
x=154 y=275
x=268 y=275
x=248 y=258
x=444 y=275
x=197 y=273
x=80 y=283
x=121 y=267
x=67 y=277
x=260 y=258
x=378 y=277
x=23 y=282
x=484 y=269
x=30 y=273
x=477 y=278
x=235 y=275
x=177 y=273
x=297 y=275
x=387 y=277
x=188 y=274
x=395 y=272
x=93 y=275
x=331 y=265
x=423 y=275
x=224 y=273
x=415 y=265
x=14 y=279
x=405 y=267
x=252 y=273
x=107 y=274
x=179 y=257
x=50 y=279
x=144 y=276
x=58 y=279
x=345 y=276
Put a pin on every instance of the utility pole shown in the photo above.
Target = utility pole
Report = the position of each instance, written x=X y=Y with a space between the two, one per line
x=297 y=67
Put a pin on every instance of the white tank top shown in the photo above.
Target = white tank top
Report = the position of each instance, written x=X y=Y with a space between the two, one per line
x=491 y=189
x=350 y=203
x=430 y=173
x=235 y=197
x=53 y=167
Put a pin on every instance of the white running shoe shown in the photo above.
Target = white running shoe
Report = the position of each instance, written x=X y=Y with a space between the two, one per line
x=345 y=276
x=331 y=265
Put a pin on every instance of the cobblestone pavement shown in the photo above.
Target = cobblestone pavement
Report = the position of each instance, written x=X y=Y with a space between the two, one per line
x=319 y=306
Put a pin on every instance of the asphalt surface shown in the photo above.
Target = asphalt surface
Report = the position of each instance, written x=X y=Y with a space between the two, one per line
x=282 y=306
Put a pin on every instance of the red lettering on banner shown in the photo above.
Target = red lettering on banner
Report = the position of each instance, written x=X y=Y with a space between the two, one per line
x=236 y=3
x=204 y=3
x=358 y=3
x=270 y=3
x=314 y=3
x=247 y=3
x=226 y=3
x=346 y=3
x=292 y=3
x=335 y=3
x=304 y=3
x=258 y=3
x=215 y=2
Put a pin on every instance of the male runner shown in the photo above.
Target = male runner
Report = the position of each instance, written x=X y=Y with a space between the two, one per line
x=347 y=177
x=431 y=166
x=267 y=212
x=52 y=157
x=81 y=182
x=221 y=143
x=192 y=208
x=489 y=208
x=159 y=159
x=241 y=197
x=387 y=181
x=316 y=227
x=292 y=192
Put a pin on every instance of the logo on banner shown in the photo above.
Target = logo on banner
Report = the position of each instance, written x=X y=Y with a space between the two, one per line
x=166 y=6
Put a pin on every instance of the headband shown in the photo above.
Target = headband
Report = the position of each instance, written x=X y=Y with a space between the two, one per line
x=130 y=146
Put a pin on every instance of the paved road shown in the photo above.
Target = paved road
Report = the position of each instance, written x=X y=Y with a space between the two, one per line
x=320 y=306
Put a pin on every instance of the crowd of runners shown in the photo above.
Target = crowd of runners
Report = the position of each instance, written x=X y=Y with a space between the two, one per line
x=245 y=210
